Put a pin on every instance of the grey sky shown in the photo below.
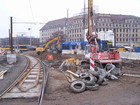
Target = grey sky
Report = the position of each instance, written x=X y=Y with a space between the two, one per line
x=47 y=10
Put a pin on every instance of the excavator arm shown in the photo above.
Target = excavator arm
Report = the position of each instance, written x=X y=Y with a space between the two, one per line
x=51 y=41
x=43 y=49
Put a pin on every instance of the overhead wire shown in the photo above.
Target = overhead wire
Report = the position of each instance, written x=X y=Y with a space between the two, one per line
x=31 y=11
x=31 y=14
x=32 y=23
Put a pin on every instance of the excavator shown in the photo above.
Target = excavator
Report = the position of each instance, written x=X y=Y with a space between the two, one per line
x=47 y=46
x=95 y=57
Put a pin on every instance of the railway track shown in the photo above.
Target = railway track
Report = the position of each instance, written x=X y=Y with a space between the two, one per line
x=31 y=84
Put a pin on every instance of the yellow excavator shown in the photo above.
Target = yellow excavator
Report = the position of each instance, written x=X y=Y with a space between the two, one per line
x=47 y=46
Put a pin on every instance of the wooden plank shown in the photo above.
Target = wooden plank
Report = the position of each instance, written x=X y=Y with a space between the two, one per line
x=2 y=73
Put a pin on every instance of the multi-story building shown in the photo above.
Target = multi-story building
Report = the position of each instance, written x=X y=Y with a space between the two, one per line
x=126 y=28
x=19 y=40
x=51 y=27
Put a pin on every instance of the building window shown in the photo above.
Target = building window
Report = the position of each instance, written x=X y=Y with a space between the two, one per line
x=132 y=35
x=116 y=39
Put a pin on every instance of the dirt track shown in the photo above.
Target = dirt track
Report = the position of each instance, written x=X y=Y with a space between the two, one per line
x=125 y=91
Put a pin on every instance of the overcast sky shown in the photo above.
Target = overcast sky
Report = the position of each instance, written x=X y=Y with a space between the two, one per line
x=47 y=10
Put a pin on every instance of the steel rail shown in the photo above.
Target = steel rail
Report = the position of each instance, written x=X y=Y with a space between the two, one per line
x=17 y=79
x=40 y=73
x=45 y=78
x=26 y=76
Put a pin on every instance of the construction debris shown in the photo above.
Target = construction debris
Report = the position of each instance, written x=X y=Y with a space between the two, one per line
x=2 y=73
x=81 y=79
x=132 y=75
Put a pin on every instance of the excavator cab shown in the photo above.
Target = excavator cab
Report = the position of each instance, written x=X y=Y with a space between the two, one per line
x=90 y=48
x=103 y=46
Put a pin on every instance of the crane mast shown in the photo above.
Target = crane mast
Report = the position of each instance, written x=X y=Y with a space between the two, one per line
x=95 y=53
x=90 y=15
x=90 y=37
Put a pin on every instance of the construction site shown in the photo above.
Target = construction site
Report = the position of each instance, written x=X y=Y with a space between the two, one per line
x=123 y=91
x=88 y=73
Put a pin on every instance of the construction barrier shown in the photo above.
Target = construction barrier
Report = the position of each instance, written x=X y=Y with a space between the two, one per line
x=2 y=52
x=130 y=55
x=126 y=55
x=80 y=52
x=11 y=58
x=50 y=57
x=67 y=51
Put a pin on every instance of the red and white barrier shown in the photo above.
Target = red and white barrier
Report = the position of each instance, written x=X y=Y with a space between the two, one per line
x=2 y=52
x=92 y=63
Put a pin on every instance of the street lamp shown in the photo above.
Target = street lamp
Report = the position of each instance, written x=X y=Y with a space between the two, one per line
x=30 y=36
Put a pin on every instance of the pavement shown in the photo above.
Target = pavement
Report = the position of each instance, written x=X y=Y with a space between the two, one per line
x=12 y=71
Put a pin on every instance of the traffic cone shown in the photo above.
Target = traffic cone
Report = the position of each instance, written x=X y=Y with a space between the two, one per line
x=50 y=57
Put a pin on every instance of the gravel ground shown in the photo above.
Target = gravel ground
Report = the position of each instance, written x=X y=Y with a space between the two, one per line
x=125 y=91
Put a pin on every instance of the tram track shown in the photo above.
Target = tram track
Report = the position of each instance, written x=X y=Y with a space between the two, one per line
x=57 y=88
x=16 y=80
x=31 y=83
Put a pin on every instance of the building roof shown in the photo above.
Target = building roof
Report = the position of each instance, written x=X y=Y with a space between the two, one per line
x=114 y=18
x=53 y=23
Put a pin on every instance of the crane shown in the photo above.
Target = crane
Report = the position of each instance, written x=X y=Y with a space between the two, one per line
x=94 y=55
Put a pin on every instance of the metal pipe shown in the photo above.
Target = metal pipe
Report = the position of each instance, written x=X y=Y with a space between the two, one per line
x=11 y=34
x=132 y=75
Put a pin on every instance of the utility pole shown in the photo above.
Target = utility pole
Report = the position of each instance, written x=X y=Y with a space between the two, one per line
x=30 y=36
x=11 y=34
x=84 y=19
x=9 y=31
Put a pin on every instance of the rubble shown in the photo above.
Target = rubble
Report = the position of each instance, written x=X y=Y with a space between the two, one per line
x=80 y=78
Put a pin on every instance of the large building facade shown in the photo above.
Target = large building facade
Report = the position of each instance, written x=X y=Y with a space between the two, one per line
x=126 y=28
x=21 y=40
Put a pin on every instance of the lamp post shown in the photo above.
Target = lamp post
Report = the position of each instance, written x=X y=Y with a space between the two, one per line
x=30 y=36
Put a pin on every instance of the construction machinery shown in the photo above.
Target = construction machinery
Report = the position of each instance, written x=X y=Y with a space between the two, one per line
x=47 y=46
x=103 y=64
x=96 y=57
